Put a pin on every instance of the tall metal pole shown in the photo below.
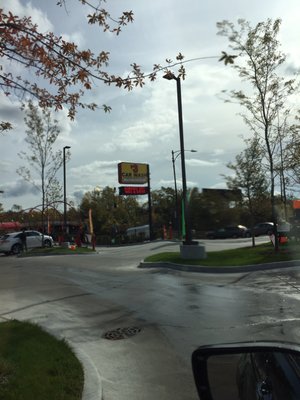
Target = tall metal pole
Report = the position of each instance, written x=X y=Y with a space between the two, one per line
x=188 y=234
x=176 y=194
x=65 y=190
x=149 y=204
x=177 y=211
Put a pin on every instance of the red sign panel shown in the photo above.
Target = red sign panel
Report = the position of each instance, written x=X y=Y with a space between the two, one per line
x=133 y=190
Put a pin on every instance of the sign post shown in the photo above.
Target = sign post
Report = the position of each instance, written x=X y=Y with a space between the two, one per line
x=135 y=174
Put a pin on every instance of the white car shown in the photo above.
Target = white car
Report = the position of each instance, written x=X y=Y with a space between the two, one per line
x=11 y=242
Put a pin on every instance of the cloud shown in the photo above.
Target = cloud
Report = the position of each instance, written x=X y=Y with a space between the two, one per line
x=201 y=163
x=18 y=188
x=79 y=191
x=4 y=166
x=143 y=124
x=38 y=16
x=9 y=108
x=89 y=171
x=66 y=127
x=76 y=37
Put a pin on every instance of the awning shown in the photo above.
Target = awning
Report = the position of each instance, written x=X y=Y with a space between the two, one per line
x=4 y=226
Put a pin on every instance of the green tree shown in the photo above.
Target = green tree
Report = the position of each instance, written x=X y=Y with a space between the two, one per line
x=250 y=178
x=16 y=208
x=42 y=161
x=163 y=207
x=112 y=214
x=289 y=163
x=265 y=99
x=218 y=208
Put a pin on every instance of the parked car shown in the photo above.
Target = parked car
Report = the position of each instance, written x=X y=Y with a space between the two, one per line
x=264 y=228
x=235 y=231
x=11 y=242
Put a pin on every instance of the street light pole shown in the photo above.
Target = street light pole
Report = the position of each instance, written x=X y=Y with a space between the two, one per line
x=188 y=233
x=65 y=191
x=174 y=158
x=176 y=195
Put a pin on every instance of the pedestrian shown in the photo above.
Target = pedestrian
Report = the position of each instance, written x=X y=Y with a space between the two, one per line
x=23 y=240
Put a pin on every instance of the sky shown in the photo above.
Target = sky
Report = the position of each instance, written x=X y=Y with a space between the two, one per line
x=143 y=124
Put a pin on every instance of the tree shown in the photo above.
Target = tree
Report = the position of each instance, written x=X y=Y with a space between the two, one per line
x=60 y=72
x=289 y=162
x=250 y=178
x=217 y=208
x=266 y=97
x=110 y=211
x=16 y=208
x=163 y=206
x=42 y=161
x=69 y=70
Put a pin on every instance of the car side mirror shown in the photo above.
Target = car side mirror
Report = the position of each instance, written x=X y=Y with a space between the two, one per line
x=247 y=371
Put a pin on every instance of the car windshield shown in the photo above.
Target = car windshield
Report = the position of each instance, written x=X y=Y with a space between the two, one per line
x=149 y=191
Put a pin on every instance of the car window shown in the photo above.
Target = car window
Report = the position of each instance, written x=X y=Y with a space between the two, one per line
x=32 y=233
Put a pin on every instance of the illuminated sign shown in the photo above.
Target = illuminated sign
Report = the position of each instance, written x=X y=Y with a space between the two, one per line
x=133 y=190
x=132 y=173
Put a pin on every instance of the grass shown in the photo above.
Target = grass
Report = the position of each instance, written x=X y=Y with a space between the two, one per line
x=260 y=254
x=56 y=250
x=36 y=365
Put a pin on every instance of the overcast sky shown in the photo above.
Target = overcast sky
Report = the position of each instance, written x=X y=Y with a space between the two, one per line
x=143 y=124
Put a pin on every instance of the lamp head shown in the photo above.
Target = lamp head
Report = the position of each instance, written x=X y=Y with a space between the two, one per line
x=67 y=147
x=169 y=76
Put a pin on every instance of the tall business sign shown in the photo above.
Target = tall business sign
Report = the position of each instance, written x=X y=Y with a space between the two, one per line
x=132 y=173
x=135 y=174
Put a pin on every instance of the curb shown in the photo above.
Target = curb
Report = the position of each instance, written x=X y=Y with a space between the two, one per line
x=213 y=270
x=92 y=388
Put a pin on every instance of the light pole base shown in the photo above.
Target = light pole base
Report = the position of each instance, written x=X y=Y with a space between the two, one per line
x=192 y=251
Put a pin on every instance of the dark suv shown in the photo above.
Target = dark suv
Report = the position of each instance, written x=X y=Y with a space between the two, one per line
x=234 y=231
x=264 y=228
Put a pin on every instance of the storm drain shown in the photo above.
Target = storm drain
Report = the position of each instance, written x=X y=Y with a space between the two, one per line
x=121 y=333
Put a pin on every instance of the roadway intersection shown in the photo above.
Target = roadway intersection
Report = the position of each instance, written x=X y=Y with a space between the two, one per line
x=169 y=313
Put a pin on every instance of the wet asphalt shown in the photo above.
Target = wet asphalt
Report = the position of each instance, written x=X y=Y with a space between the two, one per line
x=169 y=313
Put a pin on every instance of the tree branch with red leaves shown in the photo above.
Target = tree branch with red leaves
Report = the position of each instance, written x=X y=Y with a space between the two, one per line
x=60 y=72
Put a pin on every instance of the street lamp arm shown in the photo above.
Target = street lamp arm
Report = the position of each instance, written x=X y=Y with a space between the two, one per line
x=178 y=152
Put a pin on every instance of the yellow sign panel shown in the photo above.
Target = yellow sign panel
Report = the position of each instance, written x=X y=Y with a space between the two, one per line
x=133 y=173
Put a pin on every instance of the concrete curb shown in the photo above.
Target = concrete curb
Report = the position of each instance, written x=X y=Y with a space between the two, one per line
x=92 y=389
x=213 y=270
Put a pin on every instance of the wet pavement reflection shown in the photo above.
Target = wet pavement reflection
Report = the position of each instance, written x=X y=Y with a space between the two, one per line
x=82 y=298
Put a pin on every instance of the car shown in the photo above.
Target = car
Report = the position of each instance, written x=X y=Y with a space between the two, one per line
x=234 y=231
x=12 y=243
x=264 y=228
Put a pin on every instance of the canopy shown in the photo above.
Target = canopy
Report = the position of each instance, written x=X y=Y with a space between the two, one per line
x=4 y=226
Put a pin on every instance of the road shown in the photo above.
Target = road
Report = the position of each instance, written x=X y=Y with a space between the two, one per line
x=84 y=298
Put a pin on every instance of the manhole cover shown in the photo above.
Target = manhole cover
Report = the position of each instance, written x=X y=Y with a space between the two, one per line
x=121 y=333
